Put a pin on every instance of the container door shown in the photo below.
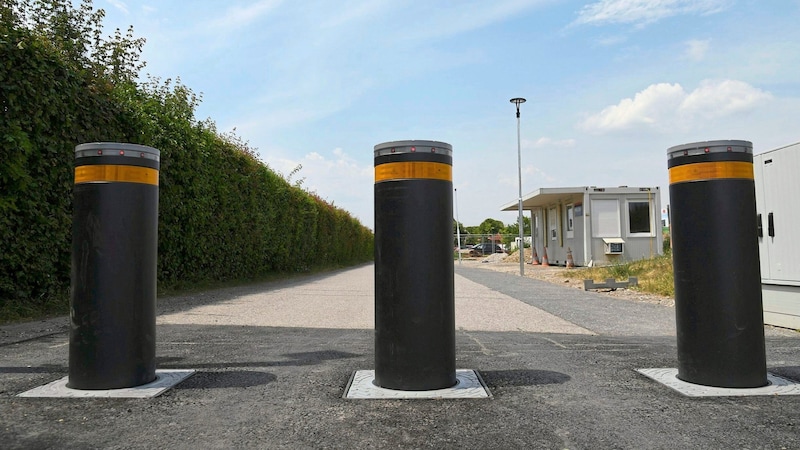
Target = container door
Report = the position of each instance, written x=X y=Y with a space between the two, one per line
x=780 y=213
x=761 y=216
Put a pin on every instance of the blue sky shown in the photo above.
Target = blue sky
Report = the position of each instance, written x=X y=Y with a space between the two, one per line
x=610 y=84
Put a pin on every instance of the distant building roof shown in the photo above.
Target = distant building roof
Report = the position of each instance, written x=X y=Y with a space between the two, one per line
x=543 y=197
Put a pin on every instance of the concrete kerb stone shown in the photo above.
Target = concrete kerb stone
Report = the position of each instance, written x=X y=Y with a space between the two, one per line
x=669 y=377
x=469 y=385
x=165 y=380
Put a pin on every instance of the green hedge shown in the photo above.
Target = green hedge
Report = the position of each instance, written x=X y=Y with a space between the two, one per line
x=223 y=215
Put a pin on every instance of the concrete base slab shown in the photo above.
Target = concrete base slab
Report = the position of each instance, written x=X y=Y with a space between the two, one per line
x=468 y=385
x=165 y=379
x=669 y=377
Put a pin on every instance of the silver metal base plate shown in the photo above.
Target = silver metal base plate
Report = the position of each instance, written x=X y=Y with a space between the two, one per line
x=468 y=385
x=165 y=379
x=669 y=377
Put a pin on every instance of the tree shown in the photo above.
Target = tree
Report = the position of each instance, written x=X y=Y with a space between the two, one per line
x=472 y=235
x=491 y=226
x=76 y=35
x=512 y=230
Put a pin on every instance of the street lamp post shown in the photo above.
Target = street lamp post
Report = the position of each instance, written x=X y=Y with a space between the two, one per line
x=458 y=227
x=518 y=101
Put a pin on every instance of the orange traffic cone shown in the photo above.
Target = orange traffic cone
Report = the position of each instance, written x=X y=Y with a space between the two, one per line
x=535 y=259
x=570 y=261
x=545 y=263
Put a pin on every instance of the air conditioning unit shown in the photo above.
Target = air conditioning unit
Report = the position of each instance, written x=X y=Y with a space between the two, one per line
x=614 y=246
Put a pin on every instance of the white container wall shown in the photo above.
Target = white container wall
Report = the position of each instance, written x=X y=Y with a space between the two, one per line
x=777 y=190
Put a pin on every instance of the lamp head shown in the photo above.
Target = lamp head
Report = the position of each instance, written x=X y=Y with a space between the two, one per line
x=517 y=101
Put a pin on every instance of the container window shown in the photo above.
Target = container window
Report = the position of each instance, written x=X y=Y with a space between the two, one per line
x=570 y=218
x=639 y=217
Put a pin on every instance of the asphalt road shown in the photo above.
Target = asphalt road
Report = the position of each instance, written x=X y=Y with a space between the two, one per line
x=273 y=361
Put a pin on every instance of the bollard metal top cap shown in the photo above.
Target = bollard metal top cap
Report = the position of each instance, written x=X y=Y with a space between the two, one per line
x=395 y=147
x=116 y=149
x=703 y=147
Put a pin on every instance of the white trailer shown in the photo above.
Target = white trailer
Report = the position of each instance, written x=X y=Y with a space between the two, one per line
x=777 y=181
x=597 y=225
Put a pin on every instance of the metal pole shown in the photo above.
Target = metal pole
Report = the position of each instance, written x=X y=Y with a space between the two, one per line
x=518 y=101
x=458 y=227
x=533 y=232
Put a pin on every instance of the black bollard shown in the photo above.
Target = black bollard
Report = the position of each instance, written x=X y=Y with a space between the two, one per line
x=414 y=292
x=114 y=247
x=718 y=308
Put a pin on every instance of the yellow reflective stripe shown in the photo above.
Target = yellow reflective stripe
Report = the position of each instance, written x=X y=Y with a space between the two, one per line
x=710 y=171
x=111 y=173
x=413 y=169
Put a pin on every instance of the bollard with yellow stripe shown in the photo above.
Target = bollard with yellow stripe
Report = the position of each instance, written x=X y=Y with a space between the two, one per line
x=718 y=305
x=414 y=295
x=113 y=276
x=712 y=160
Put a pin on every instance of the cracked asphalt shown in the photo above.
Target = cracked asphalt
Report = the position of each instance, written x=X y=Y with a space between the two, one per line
x=273 y=360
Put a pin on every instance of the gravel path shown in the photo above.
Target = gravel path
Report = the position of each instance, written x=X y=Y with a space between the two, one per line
x=346 y=301
x=554 y=274
x=639 y=314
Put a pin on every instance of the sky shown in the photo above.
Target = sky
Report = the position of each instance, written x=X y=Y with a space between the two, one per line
x=610 y=85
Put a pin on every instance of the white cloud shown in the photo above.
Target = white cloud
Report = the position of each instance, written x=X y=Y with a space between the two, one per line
x=239 y=16
x=531 y=176
x=260 y=123
x=608 y=41
x=665 y=106
x=120 y=5
x=643 y=12
x=547 y=142
x=314 y=156
x=334 y=176
x=714 y=99
x=437 y=22
x=351 y=12
x=646 y=107
x=696 y=49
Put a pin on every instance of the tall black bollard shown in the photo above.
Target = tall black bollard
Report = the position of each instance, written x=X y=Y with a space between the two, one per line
x=114 y=247
x=414 y=293
x=718 y=309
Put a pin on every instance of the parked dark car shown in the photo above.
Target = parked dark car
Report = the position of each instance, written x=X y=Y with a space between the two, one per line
x=485 y=249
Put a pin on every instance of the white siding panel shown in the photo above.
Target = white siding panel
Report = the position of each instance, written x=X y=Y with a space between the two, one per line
x=780 y=190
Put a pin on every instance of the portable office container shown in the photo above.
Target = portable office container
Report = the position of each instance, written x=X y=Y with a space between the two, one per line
x=598 y=225
x=778 y=218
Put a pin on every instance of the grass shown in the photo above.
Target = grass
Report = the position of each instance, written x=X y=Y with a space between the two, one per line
x=22 y=312
x=655 y=275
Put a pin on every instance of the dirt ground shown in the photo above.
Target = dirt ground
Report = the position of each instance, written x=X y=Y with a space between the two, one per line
x=554 y=274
